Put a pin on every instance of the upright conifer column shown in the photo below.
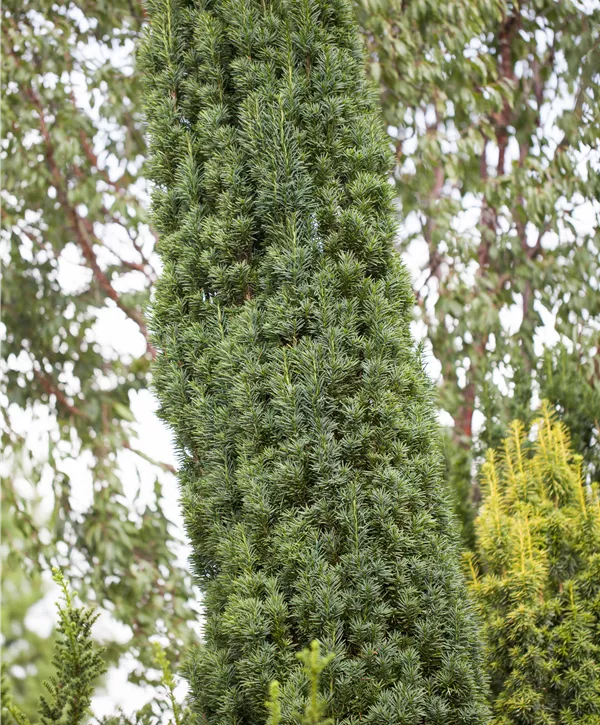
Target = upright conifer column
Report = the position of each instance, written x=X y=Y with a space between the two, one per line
x=310 y=471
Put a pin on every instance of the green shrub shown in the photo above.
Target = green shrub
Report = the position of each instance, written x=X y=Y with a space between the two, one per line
x=538 y=588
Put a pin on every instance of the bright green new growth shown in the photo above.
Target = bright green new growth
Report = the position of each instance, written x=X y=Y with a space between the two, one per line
x=316 y=706
x=314 y=664
x=273 y=704
x=538 y=544
x=310 y=463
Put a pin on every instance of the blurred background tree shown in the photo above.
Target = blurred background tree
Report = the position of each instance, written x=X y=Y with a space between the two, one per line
x=26 y=654
x=77 y=663
x=493 y=108
x=79 y=490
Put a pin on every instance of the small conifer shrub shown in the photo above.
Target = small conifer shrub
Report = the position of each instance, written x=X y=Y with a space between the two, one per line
x=77 y=660
x=310 y=464
x=538 y=588
x=78 y=664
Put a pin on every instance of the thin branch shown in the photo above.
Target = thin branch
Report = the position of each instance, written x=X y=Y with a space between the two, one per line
x=167 y=467
x=52 y=388
x=81 y=227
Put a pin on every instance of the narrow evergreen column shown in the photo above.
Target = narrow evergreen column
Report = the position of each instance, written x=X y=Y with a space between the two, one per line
x=310 y=471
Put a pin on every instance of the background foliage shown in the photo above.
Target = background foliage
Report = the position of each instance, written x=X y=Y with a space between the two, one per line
x=493 y=108
x=78 y=263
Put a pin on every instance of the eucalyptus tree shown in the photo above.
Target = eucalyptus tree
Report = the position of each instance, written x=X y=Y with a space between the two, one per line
x=493 y=109
x=78 y=261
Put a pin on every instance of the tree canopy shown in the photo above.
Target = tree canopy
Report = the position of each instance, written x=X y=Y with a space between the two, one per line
x=493 y=108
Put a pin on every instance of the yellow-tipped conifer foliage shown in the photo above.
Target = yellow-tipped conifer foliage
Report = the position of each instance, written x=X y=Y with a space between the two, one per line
x=536 y=578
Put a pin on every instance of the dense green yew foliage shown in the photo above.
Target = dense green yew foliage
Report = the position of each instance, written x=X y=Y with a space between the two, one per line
x=310 y=468
x=538 y=584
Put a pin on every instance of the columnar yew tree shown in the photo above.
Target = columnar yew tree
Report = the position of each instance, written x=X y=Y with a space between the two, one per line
x=309 y=458
x=538 y=546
